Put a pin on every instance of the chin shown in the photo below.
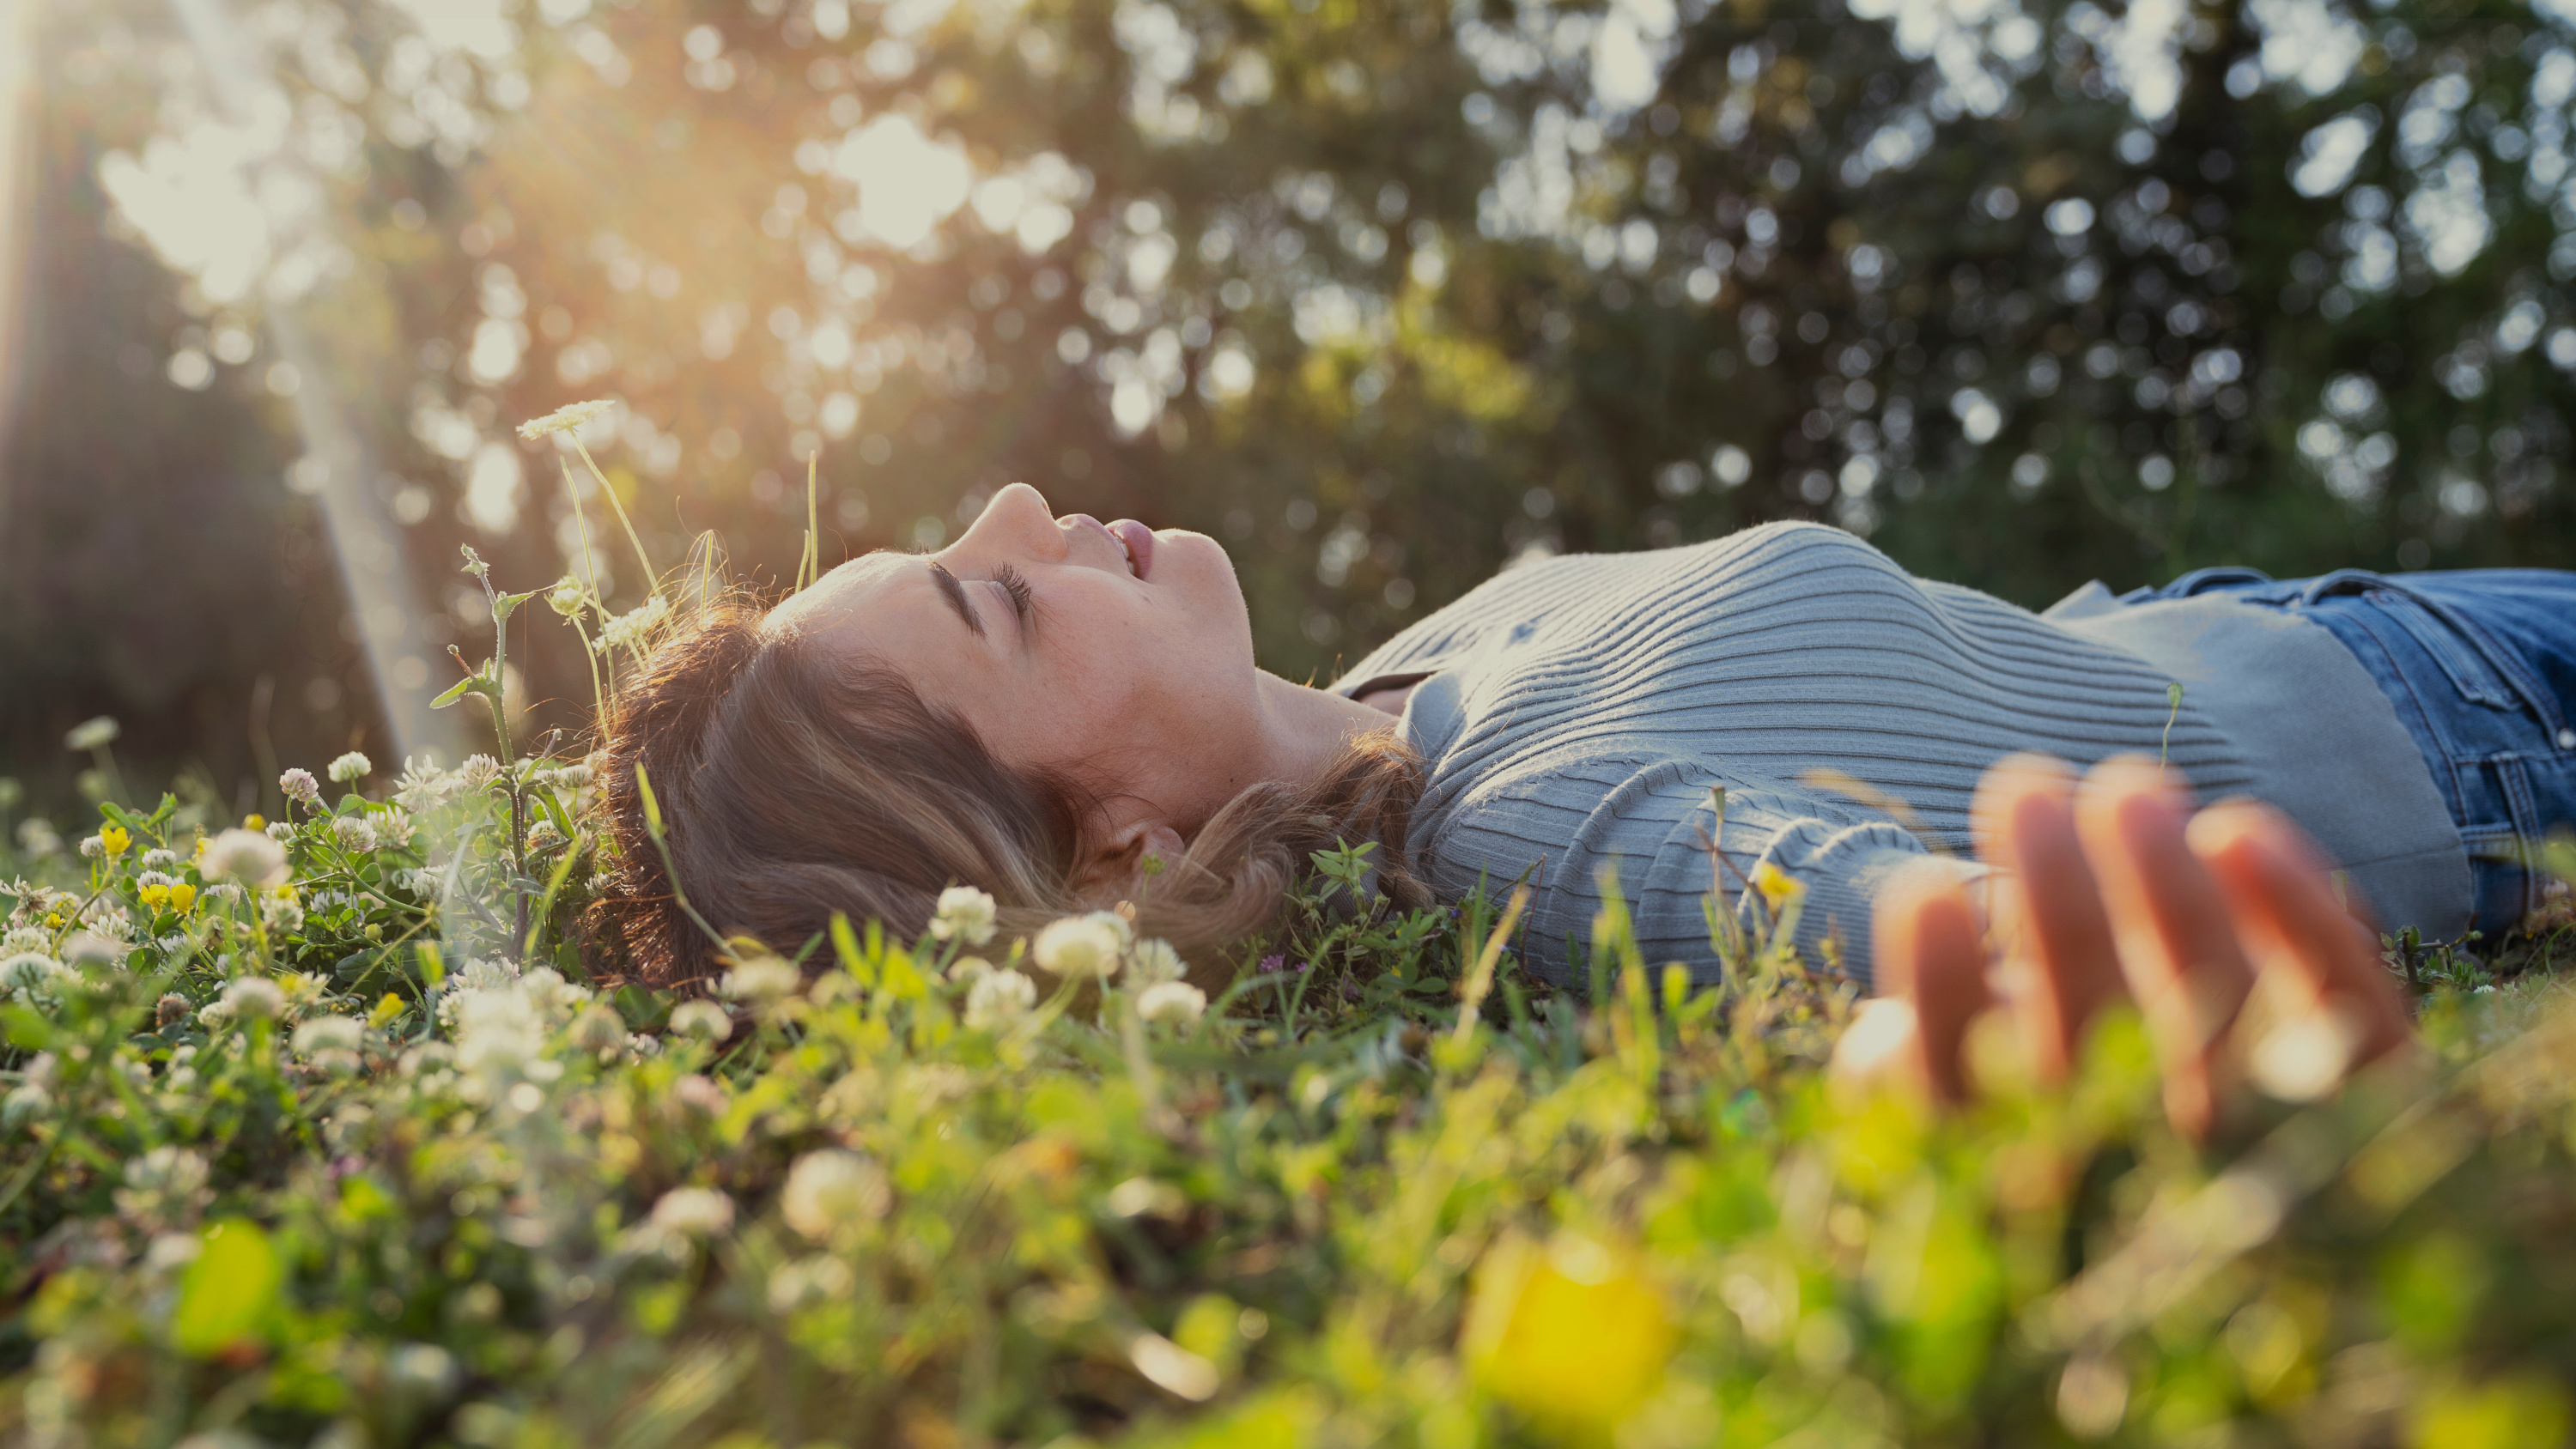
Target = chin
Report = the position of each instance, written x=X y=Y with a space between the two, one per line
x=1199 y=570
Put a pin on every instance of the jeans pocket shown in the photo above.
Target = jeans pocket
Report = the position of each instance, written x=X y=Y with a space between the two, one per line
x=2461 y=658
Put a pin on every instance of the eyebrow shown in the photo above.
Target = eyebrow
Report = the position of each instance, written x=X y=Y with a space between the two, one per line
x=954 y=593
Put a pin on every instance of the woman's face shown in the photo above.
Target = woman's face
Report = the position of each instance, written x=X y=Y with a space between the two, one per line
x=1113 y=653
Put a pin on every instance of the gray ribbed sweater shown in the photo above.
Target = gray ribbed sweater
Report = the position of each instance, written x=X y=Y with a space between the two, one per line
x=1578 y=711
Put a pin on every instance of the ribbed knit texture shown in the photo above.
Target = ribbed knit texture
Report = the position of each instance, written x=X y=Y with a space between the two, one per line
x=1585 y=706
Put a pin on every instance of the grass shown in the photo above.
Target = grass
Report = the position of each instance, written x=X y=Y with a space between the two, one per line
x=362 y=1159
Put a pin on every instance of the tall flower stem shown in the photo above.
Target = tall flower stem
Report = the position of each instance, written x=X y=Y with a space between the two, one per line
x=651 y=580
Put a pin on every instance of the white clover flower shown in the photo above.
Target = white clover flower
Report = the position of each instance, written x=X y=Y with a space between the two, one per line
x=762 y=979
x=24 y=938
x=565 y=598
x=24 y=1105
x=967 y=968
x=832 y=1189
x=279 y=831
x=28 y=971
x=1155 y=960
x=354 y=833
x=246 y=856
x=93 y=734
x=701 y=1020
x=478 y=772
x=159 y=860
x=500 y=1033
x=394 y=828
x=281 y=912
x=423 y=786
x=300 y=785
x=965 y=915
x=999 y=998
x=565 y=419
x=92 y=847
x=632 y=630
x=543 y=836
x=328 y=1034
x=1081 y=946
x=252 y=998
x=1173 y=1001
x=697 y=1212
x=572 y=776
x=549 y=990
x=598 y=1030
x=351 y=767
x=154 y=878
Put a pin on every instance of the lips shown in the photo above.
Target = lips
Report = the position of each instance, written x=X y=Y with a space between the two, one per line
x=1139 y=541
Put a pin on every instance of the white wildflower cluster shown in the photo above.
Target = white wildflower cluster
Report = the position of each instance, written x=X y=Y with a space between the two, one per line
x=394 y=828
x=158 y=859
x=479 y=772
x=164 y=1188
x=248 y=857
x=33 y=1098
x=93 y=734
x=999 y=998
x=1100 y=946
x=565 y=777
x=18 y=939
x=965 y=915
x=423 y=786
x=633 y=630
x=300 y=786
x=499 y=1020
x=33 y=978
x=350 y=768
x=1079 y=947
x=762 y=980
x=833 y=1191
x=568 y=418
x=330 y=1043
x=701 y=1021
x=354 y=833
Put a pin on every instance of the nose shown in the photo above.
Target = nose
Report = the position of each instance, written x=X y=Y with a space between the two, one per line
x=1015 y=524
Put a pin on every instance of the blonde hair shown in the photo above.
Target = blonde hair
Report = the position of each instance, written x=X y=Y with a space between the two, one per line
x=795 y=785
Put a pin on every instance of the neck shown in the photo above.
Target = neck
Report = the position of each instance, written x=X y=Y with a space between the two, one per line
x=1304 y=729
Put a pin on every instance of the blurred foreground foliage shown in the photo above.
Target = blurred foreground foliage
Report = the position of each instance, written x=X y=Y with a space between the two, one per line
x=1381 y=295
x=316 y=1133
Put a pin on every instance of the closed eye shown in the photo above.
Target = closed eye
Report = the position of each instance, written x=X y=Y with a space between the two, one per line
x=1023 y=598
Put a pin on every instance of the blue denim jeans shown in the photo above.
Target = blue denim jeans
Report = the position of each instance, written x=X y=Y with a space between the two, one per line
x=2481 y=665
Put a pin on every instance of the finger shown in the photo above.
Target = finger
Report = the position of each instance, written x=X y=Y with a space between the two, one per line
x=1878 y=1046
x=2308 y=945
x=1928 y=951
x=2176 y=940
x=2050 y=912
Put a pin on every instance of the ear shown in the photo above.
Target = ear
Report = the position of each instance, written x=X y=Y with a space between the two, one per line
x=1115 y=868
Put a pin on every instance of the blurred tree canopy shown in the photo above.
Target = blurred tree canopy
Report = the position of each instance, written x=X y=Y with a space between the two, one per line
x=1382 y=295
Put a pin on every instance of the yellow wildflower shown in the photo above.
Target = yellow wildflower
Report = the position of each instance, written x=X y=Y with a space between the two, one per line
x=112 y=840
x=1774 y=884
x=254 y=821
x=183 y=896
x=54 y=920
x=154 y=895
x=1571 y=1333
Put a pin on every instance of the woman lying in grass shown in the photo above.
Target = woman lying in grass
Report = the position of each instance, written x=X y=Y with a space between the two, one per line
x=1067 y=714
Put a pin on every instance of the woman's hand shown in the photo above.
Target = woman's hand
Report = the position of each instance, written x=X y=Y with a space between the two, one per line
x=2111 y=888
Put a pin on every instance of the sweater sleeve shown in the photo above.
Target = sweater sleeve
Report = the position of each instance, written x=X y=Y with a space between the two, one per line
x=1577 y=825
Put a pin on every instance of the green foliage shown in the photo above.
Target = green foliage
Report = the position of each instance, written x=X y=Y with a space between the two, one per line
x=335 y=1154
x=1379 y=295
